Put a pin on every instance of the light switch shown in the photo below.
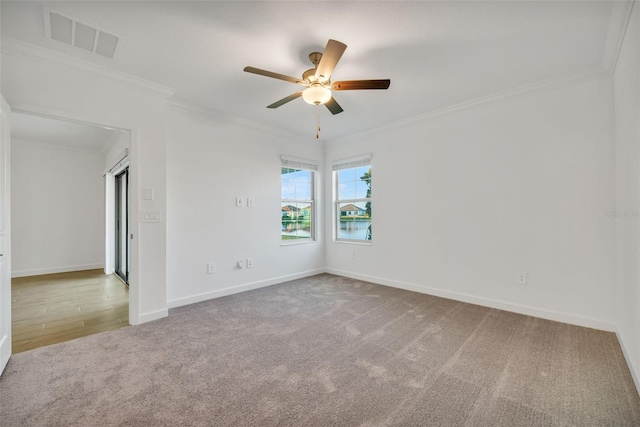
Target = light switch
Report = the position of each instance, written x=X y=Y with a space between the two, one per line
x=238 y=202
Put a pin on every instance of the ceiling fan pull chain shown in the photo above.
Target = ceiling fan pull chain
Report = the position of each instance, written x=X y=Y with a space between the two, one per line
x=318 y=115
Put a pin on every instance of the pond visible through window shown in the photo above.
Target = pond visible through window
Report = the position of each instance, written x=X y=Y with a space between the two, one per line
x=297 y=204
x=353 y=204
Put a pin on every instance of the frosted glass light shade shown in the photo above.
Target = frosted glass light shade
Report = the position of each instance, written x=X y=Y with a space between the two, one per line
x=316 y=95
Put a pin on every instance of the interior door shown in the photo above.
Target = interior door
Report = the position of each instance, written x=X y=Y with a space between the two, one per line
x=5 y=236
x=122 y=225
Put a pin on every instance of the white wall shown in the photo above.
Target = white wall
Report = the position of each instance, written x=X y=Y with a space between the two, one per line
x=464 y=202
x=114 y=148
x=57 y=207
x=210 y=162
x=40 y=81
x=627 y=137
x=518 y=185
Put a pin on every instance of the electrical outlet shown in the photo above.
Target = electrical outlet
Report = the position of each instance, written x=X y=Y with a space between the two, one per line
x=249 y=202
x=522 y=278
x=239 y=264
x=249 y=262
x=211 y=268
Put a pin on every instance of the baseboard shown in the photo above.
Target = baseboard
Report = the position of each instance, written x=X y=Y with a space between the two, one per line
x=5 y=352
x=485 y=302
x=152 y=315
x=179 y=302
x=66 y=269
x=630 y=363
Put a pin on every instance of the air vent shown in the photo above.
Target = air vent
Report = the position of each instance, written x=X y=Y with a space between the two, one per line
x=85 y=37
x=106 y=45
x=69 y=31
x=61 y=28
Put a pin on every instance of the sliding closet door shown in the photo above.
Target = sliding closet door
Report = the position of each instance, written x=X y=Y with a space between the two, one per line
x=122 y=225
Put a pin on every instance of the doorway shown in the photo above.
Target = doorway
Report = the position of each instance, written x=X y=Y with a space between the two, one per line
x=60 y=289
x=122 y=225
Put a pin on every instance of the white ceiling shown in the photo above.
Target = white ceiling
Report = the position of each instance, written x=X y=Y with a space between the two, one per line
x=437 y=54
x=64 y=133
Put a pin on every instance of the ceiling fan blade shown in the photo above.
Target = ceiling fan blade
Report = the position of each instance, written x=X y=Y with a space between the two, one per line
x=333 y=106
x=285 y=100
x=361 y=84
x=332 y=54
x=274 y=75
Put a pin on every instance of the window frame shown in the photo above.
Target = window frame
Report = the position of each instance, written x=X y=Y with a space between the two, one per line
x=310 y=166
x=338 y=166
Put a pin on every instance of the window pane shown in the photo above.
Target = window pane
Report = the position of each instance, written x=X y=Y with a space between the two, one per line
x=360 y=171
x=361 y=190
x=346 y=190
x=304 y=177
x=353 y=215
x=297 y=212
x=288 y=189
x=367 y=182
x=303 y=191
x=353 y=223
x=354 y=183
x=346 y=175
x=296 y=221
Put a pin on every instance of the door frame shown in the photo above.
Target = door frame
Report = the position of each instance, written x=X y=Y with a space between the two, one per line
x=134 y=185
x=124 y=171
x=5 y=234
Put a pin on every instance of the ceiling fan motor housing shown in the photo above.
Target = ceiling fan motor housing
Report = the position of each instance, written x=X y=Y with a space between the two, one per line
x=310 y=75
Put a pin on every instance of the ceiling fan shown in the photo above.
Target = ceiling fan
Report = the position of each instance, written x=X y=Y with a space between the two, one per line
x=317 y=80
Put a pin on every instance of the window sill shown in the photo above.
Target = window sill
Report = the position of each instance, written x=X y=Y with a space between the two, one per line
x=296 y=243
x=353 y=242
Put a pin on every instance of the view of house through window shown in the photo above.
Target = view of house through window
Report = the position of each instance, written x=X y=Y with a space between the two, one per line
x=298 y=213
x=353 y=201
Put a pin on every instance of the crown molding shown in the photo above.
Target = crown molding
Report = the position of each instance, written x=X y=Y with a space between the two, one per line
x=619 y=19
x=524 y=90
x=197 y=110
x=11 y=46
x=618 y=22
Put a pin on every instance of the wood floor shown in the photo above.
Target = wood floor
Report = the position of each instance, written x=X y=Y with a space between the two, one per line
x=52 y=308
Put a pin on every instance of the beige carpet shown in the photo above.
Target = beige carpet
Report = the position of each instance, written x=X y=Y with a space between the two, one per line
x=326 y=351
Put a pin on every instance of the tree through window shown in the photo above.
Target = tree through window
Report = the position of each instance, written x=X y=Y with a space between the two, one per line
x=353 y=201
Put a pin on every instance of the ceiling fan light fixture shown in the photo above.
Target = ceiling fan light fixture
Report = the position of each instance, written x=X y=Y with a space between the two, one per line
x=316 y=95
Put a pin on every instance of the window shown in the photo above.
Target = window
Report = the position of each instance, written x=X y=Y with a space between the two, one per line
x=298 y=217
x=353 y=199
